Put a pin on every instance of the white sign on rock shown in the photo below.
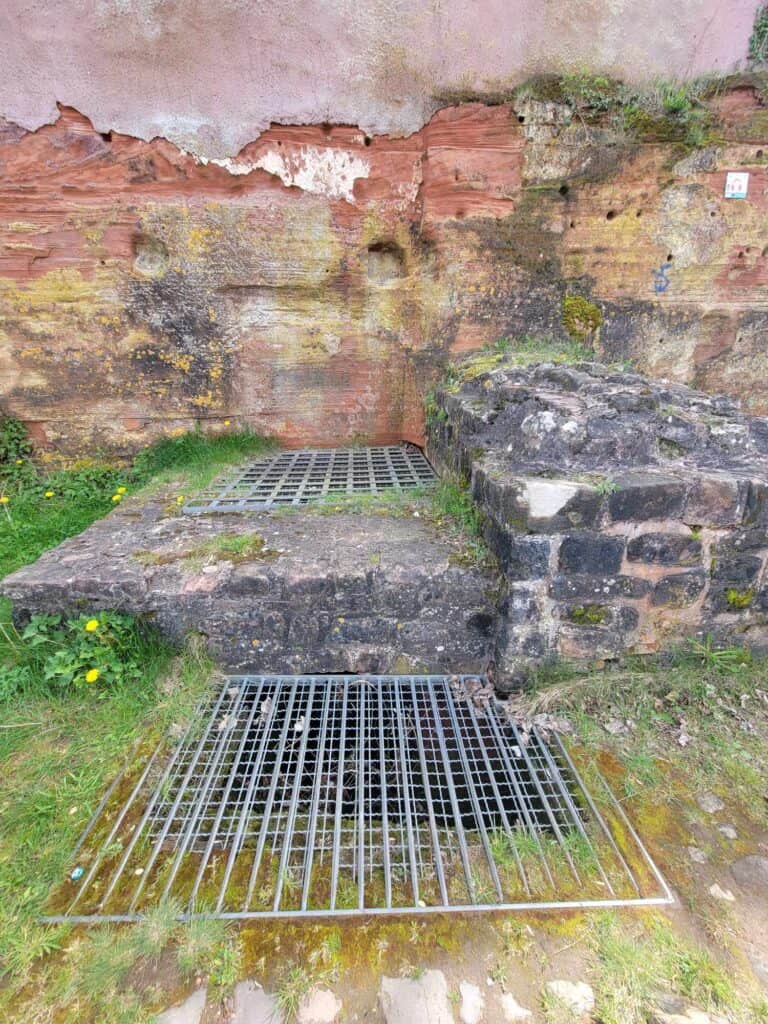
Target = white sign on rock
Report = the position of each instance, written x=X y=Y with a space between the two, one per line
x=736 y=185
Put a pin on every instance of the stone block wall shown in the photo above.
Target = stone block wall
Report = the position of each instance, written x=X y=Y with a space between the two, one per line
x=626 y=514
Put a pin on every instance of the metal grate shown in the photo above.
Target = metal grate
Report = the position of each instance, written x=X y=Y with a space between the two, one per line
x=298 y=477
x=317 y=795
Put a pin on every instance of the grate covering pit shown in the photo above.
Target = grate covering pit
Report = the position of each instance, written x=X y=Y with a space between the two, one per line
x=293 y=795
x=298 y=477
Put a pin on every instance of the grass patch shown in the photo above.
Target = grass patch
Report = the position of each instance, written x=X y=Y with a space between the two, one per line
x=664 y=110
x=58 y=755
x=453 y=509
x=231 y=547
x=199 y=456
x=39 y=509
x=635 y=963
x=390 y=502
x=43 y=509
x=700 y=714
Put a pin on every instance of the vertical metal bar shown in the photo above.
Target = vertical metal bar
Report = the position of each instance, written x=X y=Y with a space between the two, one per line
x=147 y=814
x=545 y=802
x=463 y=851
x=406 y=770
x=508 y=829
x=312 y=827
x=598 y=816
x=270 y=798
x=430 y=809
x=558 y=780
x=202 y=796
x=641 y=846
x=223 y=804
x=384 y=804
x=252 y=783
x=291 y=818
x=339 y=799
x=116 y=826
x=471 y=787
x=522 y=798
x=361 y=738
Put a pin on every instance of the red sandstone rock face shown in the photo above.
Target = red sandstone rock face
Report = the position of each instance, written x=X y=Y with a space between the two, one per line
x=317 y=284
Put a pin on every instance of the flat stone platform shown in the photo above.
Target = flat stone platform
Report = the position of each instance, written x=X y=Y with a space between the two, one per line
x=298 y=592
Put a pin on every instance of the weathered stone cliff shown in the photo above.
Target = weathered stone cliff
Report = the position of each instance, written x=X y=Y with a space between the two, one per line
x=316 y=285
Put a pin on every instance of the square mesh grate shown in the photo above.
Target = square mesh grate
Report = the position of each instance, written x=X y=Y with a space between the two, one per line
x=298 y=477
x=294 y=796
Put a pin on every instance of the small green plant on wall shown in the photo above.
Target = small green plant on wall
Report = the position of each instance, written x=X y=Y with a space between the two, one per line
x=581 y=319
x=758 y=41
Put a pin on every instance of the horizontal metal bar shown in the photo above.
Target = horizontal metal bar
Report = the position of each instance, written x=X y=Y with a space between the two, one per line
x=454 y=908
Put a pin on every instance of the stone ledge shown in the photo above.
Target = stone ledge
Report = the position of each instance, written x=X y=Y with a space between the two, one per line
x=323 y=593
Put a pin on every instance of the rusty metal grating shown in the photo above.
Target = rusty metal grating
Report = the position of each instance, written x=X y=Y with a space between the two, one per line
x=298 y=477
x=317 y=795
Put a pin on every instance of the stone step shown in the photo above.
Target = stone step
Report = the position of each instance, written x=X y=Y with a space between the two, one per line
x=283 y=593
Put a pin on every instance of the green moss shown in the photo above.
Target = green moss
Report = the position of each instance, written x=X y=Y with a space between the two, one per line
x=581 y=318
x=739 y=599
x=758 y=41
x=668 y=111
x=236 y=548
x=587 y=614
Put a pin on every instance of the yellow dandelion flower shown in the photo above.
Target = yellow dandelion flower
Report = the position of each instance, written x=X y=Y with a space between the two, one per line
x=19 y=462
x=4 y=499
x=227 y=422
x=49 y=494
x=121 y=490
x=180 y=500
x=91 y=625
x=117 y=497
x=92 y=675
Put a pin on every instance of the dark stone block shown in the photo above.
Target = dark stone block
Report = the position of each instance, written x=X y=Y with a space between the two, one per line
x=522 y=557
x=680 y=589
x=736 y=570
x=591 y=553
x=715 y=500
x=756 y=511
x=596 y=588
x=739 y=541
x=664 y=549
x=732 y=600
x=643 y=496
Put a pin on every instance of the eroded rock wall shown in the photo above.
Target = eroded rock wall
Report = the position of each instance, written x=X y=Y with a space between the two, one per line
x=315 y=286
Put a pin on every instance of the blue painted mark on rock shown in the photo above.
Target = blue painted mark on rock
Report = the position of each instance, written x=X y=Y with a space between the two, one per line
x=660 y=280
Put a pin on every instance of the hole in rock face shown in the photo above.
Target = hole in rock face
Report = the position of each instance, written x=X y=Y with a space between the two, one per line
x=367 y=140
x=759 y=154
x=386 y=261
x=563 y=190
x=610 y=215
x=150 y=256
x=106 y=136
x=521 y=118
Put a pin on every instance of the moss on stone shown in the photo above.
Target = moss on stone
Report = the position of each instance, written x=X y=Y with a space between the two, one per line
x=581 y=318
x=587 y=614
x=739 y=599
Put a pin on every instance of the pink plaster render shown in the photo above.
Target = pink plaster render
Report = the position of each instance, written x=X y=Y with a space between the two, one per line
x=211 y=75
